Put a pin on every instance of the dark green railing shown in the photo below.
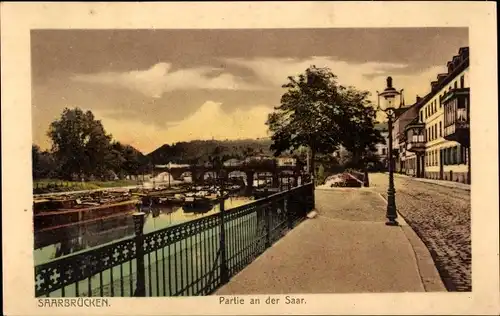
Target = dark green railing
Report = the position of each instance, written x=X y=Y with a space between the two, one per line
x=189 y=259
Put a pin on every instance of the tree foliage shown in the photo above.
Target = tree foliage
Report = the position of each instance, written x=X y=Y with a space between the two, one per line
x=82 y=148
x=43 y=163
x=317 y=112
x=80 y=143
x=360 y=135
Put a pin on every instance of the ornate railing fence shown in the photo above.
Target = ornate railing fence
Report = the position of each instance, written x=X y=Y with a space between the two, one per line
x=189 y=259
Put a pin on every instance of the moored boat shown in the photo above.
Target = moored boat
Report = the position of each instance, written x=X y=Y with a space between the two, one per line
x=197 y=205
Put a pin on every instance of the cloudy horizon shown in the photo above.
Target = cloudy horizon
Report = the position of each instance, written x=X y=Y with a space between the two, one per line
x=151 y=87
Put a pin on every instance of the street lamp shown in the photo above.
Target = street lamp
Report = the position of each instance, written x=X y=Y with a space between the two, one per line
x=388 y=105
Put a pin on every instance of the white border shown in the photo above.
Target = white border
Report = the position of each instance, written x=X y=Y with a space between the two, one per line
x=18 y=18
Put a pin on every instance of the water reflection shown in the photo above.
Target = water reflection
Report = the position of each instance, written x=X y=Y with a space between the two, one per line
x=67 y=241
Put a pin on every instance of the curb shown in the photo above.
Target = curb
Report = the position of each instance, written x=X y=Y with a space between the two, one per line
x=429 y=275
x=429 y=181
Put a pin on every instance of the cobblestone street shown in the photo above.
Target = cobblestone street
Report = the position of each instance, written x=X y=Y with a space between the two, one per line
x=441 y=217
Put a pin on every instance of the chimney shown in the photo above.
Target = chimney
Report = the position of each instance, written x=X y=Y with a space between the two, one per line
x=450 y=67
x=441 y=77
x=434 y=85
x=418 y=98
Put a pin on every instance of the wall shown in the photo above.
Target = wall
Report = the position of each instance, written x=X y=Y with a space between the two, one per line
x=432 y=114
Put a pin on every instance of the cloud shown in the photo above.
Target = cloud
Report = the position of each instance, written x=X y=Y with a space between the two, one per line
x=160 y=78
x=208 y=122
x=368 y=76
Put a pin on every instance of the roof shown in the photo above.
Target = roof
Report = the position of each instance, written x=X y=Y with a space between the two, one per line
x=464 y=64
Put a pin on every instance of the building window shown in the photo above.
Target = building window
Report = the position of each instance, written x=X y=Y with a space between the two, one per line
x=436 y=130
x=462 y=82
x=440 y=129
x=421 y=117
x=384 y=151
x=455 y=85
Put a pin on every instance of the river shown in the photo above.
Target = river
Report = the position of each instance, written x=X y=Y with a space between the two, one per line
x=156 y=219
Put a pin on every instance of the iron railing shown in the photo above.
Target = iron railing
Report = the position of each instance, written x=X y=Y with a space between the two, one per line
x=189 y=259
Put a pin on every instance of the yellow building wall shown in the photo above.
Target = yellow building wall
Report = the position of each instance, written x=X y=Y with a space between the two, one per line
x=432 y=114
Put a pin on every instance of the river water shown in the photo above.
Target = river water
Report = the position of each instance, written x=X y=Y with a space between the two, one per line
x=156 y=219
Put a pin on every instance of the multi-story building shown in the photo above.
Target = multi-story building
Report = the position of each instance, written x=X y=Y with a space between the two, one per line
x=403 y=117
x=437 y=139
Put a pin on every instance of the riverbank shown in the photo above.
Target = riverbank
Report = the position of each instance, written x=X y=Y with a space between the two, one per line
x=55 y=186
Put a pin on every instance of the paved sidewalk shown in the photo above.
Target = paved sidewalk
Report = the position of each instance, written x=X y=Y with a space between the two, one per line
x=444 y=183
x=347 y=248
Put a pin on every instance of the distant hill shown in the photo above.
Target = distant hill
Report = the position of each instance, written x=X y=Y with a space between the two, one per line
x=199 y=151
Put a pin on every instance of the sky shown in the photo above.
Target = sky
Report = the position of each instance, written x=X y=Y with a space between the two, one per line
x=152 y=87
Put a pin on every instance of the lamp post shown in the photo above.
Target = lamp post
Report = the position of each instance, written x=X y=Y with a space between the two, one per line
x=388 y=106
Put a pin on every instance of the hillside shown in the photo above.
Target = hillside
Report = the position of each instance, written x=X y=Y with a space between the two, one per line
x=198 y=151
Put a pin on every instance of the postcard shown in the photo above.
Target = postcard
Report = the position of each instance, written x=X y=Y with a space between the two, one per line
x=250 y=158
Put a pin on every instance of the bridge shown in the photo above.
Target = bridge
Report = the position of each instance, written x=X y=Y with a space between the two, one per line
x=250 y=169
x=192 y=258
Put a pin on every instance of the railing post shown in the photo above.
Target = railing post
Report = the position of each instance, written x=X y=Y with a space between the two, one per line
x=139 y=241
x=224 y=274
x=287 y=212
x=267 y=214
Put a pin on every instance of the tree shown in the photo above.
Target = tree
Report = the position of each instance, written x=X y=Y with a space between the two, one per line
x=359 y=135
x=43 y=163
x=311 y=114
x=35 y=160
x=80 y=143
x=317 y=112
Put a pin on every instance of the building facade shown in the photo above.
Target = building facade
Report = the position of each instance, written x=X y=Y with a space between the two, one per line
x=403 y=117
x=437 y=138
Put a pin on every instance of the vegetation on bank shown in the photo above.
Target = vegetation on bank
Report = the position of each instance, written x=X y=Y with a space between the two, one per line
x=41 y=186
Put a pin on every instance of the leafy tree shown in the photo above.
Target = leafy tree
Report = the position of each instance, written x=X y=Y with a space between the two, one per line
x=80 y=143
x=317 y=112
x=359 y=136
x=35 y=160
x=311 y=114
x=130 y=160
x=43 y=163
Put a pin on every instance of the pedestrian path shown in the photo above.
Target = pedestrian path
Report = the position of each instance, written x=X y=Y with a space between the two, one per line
x=347 y=248
x=444 y=183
